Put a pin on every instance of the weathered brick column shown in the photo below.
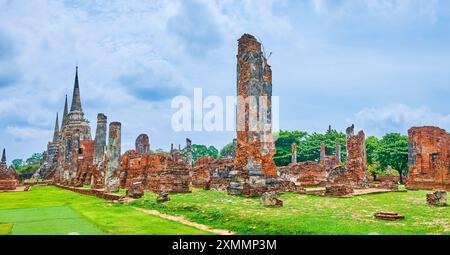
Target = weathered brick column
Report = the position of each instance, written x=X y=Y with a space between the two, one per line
x=255 y=146
x=356 y=164
x=294 y=153
x=188 y=151
x=98 y=173
x=142 y=144
x=234 y=147
x=429 y=158
x=338 y=152
x=100 y=138
x=113 y=158
x=322 y=153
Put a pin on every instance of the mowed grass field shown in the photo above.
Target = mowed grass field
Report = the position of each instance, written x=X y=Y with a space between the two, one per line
x=50 y=210
x=307 y=214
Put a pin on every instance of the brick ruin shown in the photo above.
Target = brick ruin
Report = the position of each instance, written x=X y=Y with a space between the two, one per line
x=254 y=146
x=212 y=174
x=294 y=153
x=429 y=158
x=75 y=159
x=308 y=173
x=112 y=173
x=142 y=144
x=158 y=172
x=356 y=164
x=311 y=173
x=8 y=176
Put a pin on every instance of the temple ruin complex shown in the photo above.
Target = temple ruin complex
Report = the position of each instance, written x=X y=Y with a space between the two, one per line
x=73 y=158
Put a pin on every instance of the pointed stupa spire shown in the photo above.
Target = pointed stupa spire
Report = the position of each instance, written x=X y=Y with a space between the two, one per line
x=65 y=116
x=76 y=101
x=56 y=132
x=4 y=156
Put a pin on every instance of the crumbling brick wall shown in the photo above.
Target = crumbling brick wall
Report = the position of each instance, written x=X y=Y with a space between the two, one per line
x=201 y=173
x=158 y=172
x=164 y=174
x=212 y=174
x=429 y=158
x=307 y=173
x=133 y=168
x=85 y=162
x=356 y=164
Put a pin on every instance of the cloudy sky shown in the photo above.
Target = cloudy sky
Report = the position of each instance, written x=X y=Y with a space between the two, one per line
x=382 y=64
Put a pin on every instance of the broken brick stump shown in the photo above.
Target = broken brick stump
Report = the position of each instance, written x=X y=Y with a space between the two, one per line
x=136 y=190
x=388 y=216
x=437 y=198
x=163 y=197
x=339 y=190
x=269 y=199
x=390 y=185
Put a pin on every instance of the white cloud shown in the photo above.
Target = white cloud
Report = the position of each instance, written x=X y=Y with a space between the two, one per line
x=386 y=9
x=397 y=118
x=27 y=133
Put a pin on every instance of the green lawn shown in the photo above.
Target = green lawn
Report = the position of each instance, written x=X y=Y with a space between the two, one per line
x=307 y=214
x=50 y=210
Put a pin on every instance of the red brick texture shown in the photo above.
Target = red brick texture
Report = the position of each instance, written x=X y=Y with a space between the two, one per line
x=429 y=158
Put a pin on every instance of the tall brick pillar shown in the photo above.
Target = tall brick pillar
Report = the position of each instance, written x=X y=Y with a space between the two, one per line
x=113 y=163
x=98 y=173
x=234 y=147
x=294 y=153
x=322 y=153
x=356 y=164
x=188 y=151
x=100 y=138
x=255 y=146
x=338 y=152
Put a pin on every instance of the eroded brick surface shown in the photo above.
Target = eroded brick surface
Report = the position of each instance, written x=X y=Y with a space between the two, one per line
x=157 y=172
x=212 y=174
x=429 y=158
x=307 y=173
x=356 y=164
x=254 y=147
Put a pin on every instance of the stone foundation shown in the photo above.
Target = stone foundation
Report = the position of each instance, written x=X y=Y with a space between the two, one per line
x=339 y=190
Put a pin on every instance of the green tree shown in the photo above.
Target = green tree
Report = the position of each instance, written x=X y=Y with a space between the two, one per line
x=308 y=145
x=372 y=147
x=200 y=150
x=283 y=143
x=34 y=159
x=17 y=163
x=375 y=170
x=393 y=151
x=309 y=149
x=227 y=151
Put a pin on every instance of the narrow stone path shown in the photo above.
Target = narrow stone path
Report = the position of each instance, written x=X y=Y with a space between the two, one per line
x=186 y=222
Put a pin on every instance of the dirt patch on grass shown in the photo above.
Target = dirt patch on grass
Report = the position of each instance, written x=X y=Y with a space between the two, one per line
x=187 y=222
